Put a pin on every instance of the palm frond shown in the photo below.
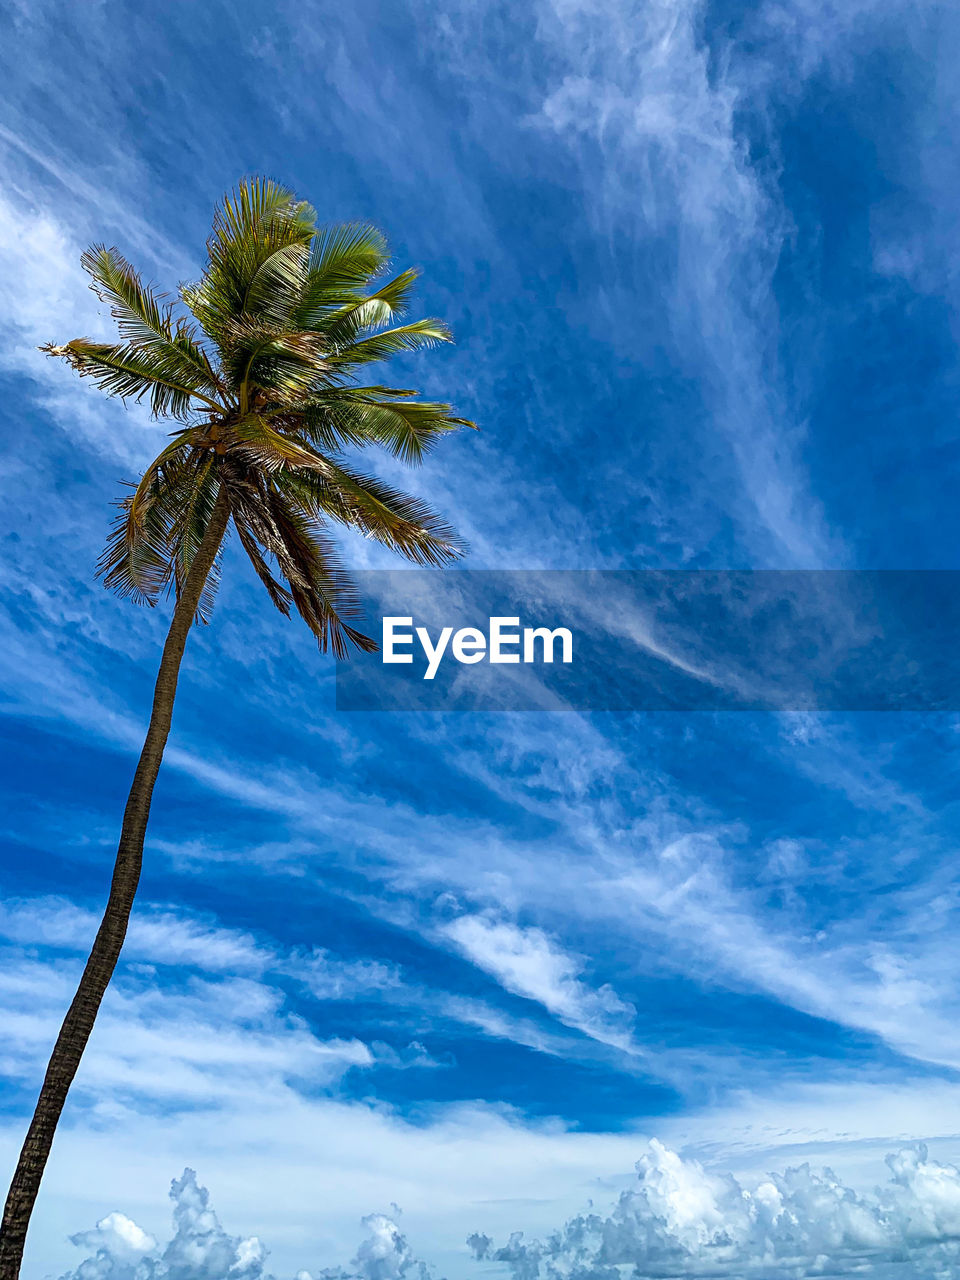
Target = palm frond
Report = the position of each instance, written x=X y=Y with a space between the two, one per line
x=261 y=223
x=279 y=595
x=137 y=562
x=318 y=586
x=259 y=444
x=145 y=320
x=404 y=523
x=159 y=529
x=131 y=373
x=144 y=492
x=358 y=416
x=276 y=287
x=390 y=342
x=343 y=260
x=194 y=504
x=328 y=489
x=370 y=313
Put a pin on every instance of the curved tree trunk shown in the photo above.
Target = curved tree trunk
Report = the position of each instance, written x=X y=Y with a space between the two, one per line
x=78 y=1023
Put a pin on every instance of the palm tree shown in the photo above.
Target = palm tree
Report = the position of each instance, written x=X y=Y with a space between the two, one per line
x=261 y=378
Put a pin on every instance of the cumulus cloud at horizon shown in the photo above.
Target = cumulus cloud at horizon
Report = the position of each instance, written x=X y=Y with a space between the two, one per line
x=679 y=1220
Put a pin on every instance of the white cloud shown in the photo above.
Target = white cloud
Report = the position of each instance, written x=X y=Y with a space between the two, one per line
x=658 y=871
x=653 y=117
x=298 y=1171
x=527 y=963
x=199 y=1250
x=328 y=977
x=686 y=1221
x=679 y=1219
x=44 y=298
x=155 y=936
x=119 y=1237
x=215 y=1027
x=196 y=1044
x=384 y=1255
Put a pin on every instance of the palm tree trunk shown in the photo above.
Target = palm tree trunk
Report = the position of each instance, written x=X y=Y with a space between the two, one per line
x=78 y=1023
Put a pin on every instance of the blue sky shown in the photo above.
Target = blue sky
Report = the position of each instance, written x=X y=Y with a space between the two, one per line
x=701 y=264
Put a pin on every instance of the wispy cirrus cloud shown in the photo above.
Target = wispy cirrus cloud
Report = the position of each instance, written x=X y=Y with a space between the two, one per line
x=44 y=298
x=530 y=964
x=156 y=937
x=655 y=117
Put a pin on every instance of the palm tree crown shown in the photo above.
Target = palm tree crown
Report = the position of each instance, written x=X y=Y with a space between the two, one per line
x=264 y=380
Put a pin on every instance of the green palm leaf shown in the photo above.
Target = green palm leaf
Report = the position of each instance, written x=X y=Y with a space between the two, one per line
x=145 y=321
x=343 y=260
x=133 y=373
x=406 y=524
x=260 y=235
x=359 y=416
x=372 y=312
x=390 y=342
